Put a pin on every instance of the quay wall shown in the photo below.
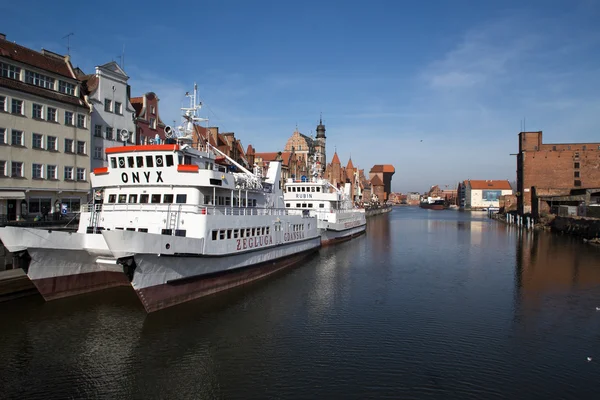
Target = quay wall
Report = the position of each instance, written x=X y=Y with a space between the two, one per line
x=585 y=228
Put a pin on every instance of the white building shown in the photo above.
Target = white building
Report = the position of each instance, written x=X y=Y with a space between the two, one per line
x=485 y=194
x=44 y=134
x=112 y=112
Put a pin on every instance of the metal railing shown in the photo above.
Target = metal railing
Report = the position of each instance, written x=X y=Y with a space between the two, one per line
x=183 y=208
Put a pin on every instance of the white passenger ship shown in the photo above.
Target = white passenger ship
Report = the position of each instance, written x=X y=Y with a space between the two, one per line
x=174 y=222
x=338 y=218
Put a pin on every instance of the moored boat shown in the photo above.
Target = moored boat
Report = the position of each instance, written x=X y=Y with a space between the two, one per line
x=434 y=203
x=337 y=218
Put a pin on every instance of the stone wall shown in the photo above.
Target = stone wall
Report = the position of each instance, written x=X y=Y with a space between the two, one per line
x=586 y=228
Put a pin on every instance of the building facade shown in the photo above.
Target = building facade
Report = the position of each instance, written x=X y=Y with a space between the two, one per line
x=112 y=112
x=44 y=134
x=148 y=126
x=554 y=166
x=384 y=173
x=480 y=194
x=306 y=147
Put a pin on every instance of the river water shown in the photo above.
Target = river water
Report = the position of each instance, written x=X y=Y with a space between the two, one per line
x=427 y=304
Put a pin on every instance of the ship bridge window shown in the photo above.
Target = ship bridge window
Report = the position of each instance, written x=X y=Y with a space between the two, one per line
x=130 y=162
x=122 y=198
x=112 y=198
x=113 y=162
x=169 y=160
x=144 y=198
x=310 y=205
x=312 y=189
x=303 y=189
x=159 y=161
x=121 y=162
x=155 y=198
x=149 y=162
x=133 y=198
x=318 y=189
x=303 y=205
x=168 y=198
x=321 y=205
x=140 y=161
x=287 y=205
x=181 y=199
x=298 y=205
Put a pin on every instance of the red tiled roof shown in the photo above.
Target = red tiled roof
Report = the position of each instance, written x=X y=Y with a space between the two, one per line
x=139 y=100
x=270 y=156
x=335 y=159
x=36 y=59
x=89 y=83
x=38 y=91
x=383 y=168
x=498 y=185
x=350 y=165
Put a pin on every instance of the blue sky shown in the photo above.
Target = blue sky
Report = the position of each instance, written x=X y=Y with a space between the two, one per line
x=438 y=89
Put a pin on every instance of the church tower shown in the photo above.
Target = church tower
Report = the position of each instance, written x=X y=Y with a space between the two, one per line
x=320 y=144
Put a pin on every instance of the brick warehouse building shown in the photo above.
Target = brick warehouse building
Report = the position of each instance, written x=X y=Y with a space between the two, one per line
x=554 y=166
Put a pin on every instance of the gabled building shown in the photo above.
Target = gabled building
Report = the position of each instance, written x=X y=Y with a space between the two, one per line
x=385 y=173
x=44 y=134
x=112 y=113
x=480 y=194
x=148 y=125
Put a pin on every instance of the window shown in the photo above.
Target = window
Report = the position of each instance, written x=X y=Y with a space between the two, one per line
x=149 y=162
x=108 y=105
x=10 y=71
x=554 y=148
x=2 y=103
x=169 y=160
x=98 y=130
x=81 y=174
x=584 y=147
x=52 y=143
x=2 y=136
x=17 y=107
x=576 y=174
x=39 y=80
x=81 y=147
x=98 y=153
x=133 y=198
x=144 y=198
x=51 y=172
x=155 y=198
x=68 y=145
x=321 y=205
x=37 y=205
x=153 y=123
x=17 y=138
x=36 y=111
x=51 y=114
x=159 y=161
x=181 y=199
x=287 y=204
x=122 y=198
x=66 y=87
x=16 y=169
x=68 y=174
x=168 y=198
x=2 y=168
x=37 y=171
x=112 y=198
x=37 y=141
x=118 y=108
x=81 y=121
x=139 y=161
x=109 y=133
x=576 y=165
x=68 y=118
x=72 y=204
x=131 y=162
x=577 y=183
x=153 y=110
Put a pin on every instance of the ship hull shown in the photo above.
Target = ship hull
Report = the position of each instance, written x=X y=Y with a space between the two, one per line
x=433 y=206
x=165 y=280
x=62 y=264
x=330 y=237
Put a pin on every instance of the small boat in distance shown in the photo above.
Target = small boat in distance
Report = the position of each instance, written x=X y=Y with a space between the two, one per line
x=434 y=203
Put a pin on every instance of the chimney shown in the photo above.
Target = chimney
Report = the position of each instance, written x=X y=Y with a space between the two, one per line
x=2 y=36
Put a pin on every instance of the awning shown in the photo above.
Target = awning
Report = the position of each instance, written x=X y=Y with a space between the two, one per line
x=12 y=195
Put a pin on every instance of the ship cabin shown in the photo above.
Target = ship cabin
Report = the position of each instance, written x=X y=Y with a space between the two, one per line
x=161 y=188
x=317 y=195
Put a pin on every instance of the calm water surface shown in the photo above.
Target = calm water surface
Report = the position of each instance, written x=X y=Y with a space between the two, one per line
x=428 y=304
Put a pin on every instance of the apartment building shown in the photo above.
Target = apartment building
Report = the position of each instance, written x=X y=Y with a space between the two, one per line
x=44 y=134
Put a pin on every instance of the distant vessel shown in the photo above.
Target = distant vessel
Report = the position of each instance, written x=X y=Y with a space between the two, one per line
x=338 y=218
x=434 y=203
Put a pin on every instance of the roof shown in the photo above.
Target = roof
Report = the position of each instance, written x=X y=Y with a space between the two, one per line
x=490 y=184
x=376 y=181
x=38 y=91
x=383 y=168
x=48 y=61
x=350 y=165
x=335 y=159
x=89 y=83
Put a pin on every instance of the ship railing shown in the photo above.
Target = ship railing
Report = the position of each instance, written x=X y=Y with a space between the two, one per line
x=183 y=208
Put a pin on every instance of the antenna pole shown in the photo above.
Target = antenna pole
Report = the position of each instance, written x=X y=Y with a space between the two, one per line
x=68 y=37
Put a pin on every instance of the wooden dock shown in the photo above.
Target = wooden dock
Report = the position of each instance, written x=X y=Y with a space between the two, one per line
x=15 y=283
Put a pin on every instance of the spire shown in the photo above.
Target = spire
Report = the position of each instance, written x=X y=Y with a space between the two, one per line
x=321 y=128
x=335 y=159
